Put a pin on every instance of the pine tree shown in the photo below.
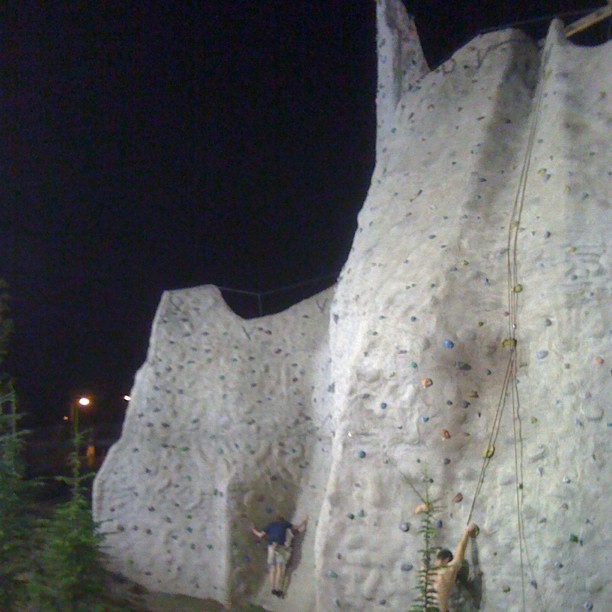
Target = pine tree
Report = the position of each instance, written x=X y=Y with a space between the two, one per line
x=15 y=492
x=16 y=520
x=426 y=600
x=69 y=575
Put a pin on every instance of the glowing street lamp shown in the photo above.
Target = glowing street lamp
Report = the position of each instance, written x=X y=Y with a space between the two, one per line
x=82 y=402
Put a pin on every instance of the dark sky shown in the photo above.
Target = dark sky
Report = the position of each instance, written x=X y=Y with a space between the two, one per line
x=157 y=145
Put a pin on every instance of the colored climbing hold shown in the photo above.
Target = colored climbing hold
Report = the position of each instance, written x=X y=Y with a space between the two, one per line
x=588 y=605
x=473 y=394
x=361 y=454
x=427 y=382
x=533 y=420
x=488 y=452
x=542 y=354
x=533 y=583
x=573 y=538
x=508 y=342
x=438 y=524
x=458 y=498
x=598 y=361
x=448 y=344
x=350 y=515
x=446 y=460
x=332 y=574
x=461 y=365
x=383 y=405
x=424 y=418
x=414 y=365
x=506 y=588
x=405 y=527
x=406 y=567
x=445 y=434
x=517 y=288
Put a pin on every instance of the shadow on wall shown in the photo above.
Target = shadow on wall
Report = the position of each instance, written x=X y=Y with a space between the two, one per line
x=256 y=502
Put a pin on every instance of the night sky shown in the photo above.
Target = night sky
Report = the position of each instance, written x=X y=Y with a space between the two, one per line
x=159 y=145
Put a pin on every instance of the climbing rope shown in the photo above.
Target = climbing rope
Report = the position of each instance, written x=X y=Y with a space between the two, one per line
x=509 y=385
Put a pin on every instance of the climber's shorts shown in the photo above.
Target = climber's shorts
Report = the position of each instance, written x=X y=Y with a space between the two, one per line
x=278 y=555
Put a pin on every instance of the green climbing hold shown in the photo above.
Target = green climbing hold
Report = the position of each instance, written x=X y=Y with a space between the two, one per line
x=517 y=288
x=573 y=538
x=332 y=574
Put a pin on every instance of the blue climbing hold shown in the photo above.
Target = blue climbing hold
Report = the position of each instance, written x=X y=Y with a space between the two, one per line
x=588 y=605
x=542 y=354
x=438 y=524
x=383 y=405
x=361 y=454
x=448 y=344
x=424 y=418
x=406 y=567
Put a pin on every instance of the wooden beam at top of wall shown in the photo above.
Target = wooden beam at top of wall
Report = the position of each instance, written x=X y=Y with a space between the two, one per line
x=586 y=22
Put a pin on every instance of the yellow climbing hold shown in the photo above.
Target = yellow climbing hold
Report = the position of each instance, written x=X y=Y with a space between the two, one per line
x=517 y=288
x=488 y=452
x=508 y=342
x=534 y=420
x=473 y=394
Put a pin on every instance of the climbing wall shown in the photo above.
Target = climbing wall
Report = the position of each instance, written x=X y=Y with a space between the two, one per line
x=423 y=333
x=228 y=425
x=465 y=346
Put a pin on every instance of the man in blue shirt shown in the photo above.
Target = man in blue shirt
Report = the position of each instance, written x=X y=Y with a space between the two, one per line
x=279 y=550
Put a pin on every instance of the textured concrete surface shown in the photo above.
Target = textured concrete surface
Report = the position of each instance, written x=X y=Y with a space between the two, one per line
x=473 y=312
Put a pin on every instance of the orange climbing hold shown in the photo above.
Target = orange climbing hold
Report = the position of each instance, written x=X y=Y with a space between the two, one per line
x=427 y=382
x=445 y=434
x=598 y=360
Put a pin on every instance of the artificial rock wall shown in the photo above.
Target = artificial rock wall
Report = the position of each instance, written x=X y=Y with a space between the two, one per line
x=475 y=299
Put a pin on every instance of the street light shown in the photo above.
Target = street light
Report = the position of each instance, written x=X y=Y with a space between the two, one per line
x=82 y=402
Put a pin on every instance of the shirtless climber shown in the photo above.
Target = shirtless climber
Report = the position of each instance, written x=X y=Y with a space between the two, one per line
x=279 y=550
x=447 y=565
